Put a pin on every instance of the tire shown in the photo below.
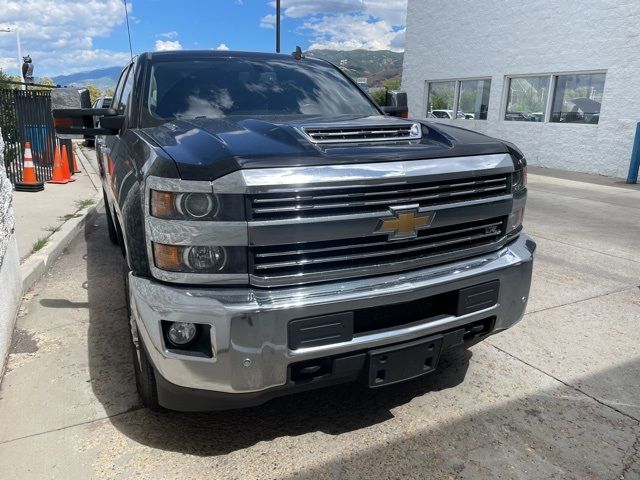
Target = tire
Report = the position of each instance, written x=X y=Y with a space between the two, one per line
x=144 y=372
x=113 y=234
x=145 y=378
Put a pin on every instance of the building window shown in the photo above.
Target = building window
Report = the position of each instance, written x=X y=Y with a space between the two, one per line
x=440 y=99
x=577 y=98
x=468 y=98
x=473 y=98
x=527 y=99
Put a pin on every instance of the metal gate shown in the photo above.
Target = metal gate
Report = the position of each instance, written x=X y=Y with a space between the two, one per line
x=25 y=116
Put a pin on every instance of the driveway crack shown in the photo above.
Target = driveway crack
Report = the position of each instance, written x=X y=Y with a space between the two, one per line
x=573 y=387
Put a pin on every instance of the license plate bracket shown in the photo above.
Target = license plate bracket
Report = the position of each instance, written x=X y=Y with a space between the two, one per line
x=402 y=362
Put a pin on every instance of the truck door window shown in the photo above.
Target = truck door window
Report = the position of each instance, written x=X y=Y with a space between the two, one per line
x=118 y=91
x=126 y=92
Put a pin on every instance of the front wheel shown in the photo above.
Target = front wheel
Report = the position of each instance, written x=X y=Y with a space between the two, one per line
x=111 y=227
x=145 y=377
x=144 y=372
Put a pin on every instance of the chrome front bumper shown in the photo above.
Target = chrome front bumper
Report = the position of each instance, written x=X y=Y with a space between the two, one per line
x=249 y=325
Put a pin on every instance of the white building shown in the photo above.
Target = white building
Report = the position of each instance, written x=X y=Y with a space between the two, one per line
x=559 y=78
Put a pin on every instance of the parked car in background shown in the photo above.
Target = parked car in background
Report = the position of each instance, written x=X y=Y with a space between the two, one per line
x=449 y=114
x=102 y=102
x=282 y=234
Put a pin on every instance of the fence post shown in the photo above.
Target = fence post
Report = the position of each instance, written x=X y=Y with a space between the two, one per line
x=632 y=177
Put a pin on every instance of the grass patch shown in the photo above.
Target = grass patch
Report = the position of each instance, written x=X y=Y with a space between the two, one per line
x=84 y=203
x=38 y=244
x=51 y=229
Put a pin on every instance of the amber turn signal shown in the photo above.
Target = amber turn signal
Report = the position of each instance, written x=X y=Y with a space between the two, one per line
x=162 y=204
x=64 y=122
x=168 y=257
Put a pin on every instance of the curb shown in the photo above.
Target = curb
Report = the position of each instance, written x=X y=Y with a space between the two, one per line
x=89 y=167
x=36 y=264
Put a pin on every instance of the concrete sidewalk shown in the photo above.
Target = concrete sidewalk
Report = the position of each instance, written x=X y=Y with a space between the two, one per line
x=40 y=214
x=557 y=396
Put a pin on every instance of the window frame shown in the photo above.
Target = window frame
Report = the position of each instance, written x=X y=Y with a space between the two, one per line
x=456 y=94
x=552 y=84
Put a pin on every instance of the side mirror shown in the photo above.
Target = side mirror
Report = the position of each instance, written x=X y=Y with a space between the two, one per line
x=396 y=104
x=79 y=121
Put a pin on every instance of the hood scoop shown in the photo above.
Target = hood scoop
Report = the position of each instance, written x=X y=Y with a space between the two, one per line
x=363 y=133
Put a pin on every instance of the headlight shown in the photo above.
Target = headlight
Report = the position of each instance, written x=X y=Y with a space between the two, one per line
x=519 y=179
x=200 y=258
x=184 y=206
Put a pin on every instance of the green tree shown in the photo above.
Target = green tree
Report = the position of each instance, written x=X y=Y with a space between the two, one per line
x=94 y=92
x=391 y=84
x=379 y=95
x=109 y=92
x=43 y=81
x=4 y=79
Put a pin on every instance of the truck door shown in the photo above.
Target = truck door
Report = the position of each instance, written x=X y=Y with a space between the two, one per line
x=112 y=147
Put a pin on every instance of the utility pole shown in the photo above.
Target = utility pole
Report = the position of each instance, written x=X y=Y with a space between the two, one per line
x=277 y=26
x=17 y=32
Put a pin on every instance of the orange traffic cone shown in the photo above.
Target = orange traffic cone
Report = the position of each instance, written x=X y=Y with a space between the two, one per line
x=65 y=165
x=29 y=181
x=75 y=163
x=58 y=169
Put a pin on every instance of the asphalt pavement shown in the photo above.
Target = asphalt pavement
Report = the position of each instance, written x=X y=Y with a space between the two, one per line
x=557 y=396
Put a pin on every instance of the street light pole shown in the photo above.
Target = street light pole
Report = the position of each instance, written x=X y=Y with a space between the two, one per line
x=17 y=32
x=19 y=53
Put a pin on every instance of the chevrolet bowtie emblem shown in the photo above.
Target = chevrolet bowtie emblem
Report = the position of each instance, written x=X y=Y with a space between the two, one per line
x=404 y=222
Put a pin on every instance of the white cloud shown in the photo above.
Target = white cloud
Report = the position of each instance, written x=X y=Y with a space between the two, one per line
x=222 y=46
x=59 y=34
x=392 y=11
x=350 y=32
x=166 y=45
x=170 y=35
x=348 y=24
x=268 y=21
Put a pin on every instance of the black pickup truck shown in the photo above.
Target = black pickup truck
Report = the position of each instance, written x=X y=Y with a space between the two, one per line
x=282 y=233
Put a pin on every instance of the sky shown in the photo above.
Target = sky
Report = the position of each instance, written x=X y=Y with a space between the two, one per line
x=67 y=36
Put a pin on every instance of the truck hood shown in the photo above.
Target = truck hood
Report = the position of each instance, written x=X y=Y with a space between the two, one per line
x=210 y=148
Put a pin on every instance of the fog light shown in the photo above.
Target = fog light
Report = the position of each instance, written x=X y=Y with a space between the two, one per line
x=182 y=333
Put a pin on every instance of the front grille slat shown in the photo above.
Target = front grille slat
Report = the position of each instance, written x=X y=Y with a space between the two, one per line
x=307 y=251
x=331 y=201
x=370 y=203
x=346 y=254
x=298 y=198
x=359 y=256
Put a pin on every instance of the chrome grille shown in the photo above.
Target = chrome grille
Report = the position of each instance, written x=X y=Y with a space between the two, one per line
x=428 y=247
x=373 y=133
x=344 y=201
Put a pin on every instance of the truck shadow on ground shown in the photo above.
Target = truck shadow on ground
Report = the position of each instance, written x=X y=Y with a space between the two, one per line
x=333 y=410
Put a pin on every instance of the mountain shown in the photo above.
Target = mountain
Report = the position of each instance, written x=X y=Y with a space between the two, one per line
x=102 y=78
x=374 y=65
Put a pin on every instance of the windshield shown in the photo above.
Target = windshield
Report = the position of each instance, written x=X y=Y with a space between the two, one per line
x=216 y=88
